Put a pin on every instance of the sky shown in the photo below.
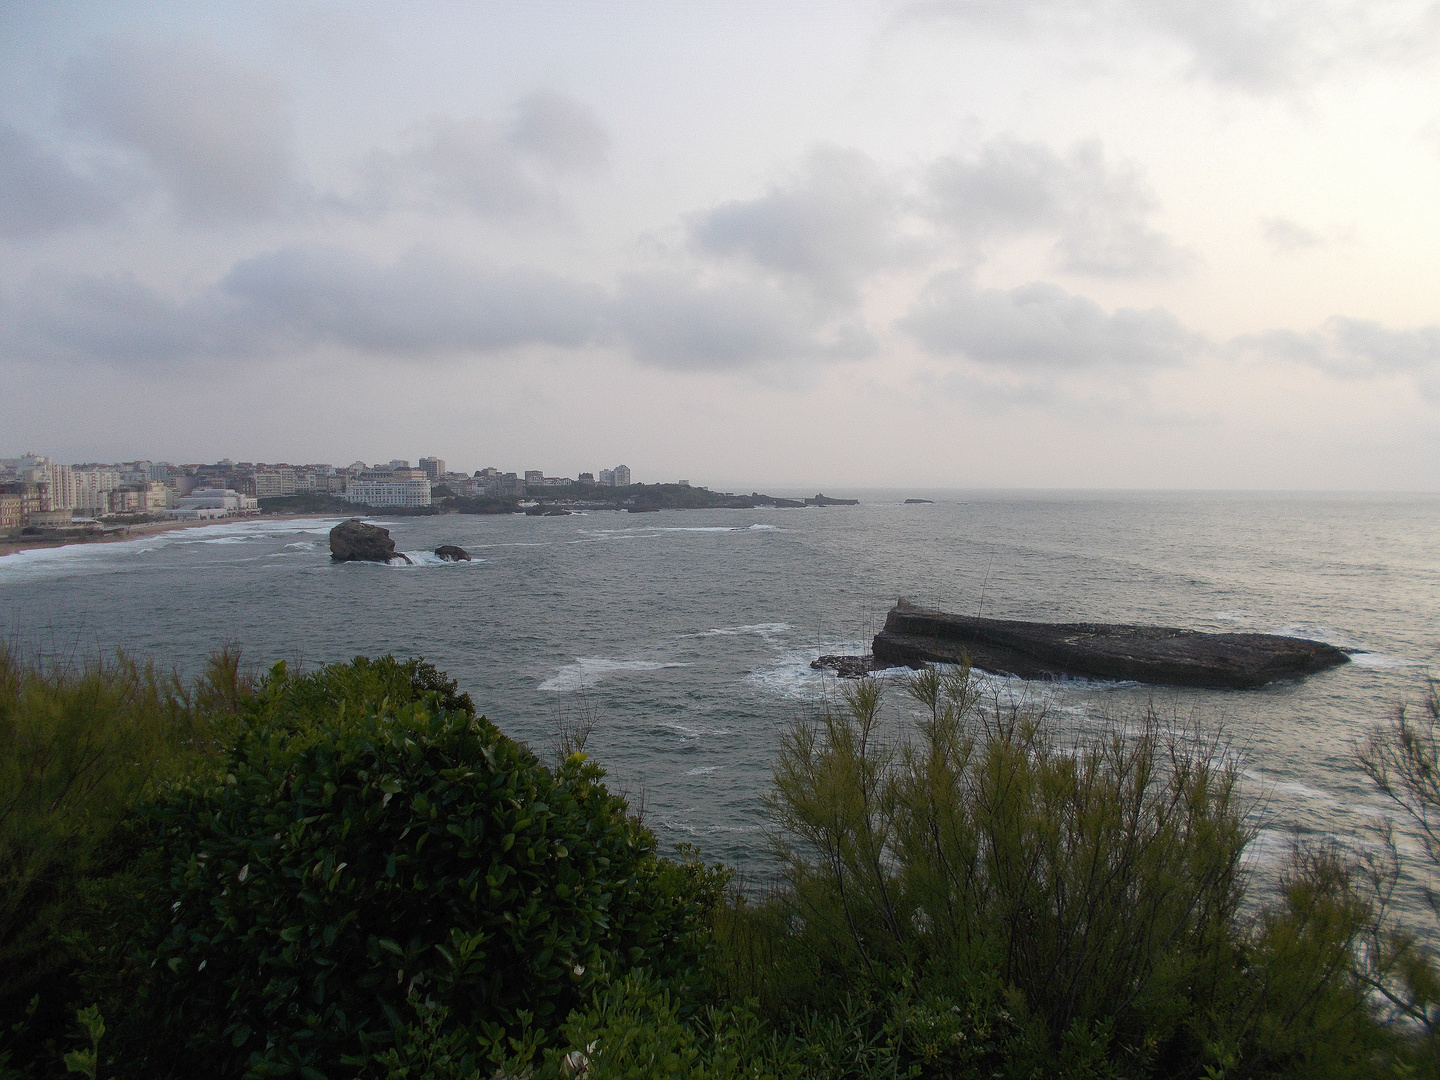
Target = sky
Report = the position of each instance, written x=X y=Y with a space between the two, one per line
x=943 y=243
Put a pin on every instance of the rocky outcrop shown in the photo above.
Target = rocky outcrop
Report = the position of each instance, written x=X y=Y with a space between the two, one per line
x=847 y=667
x=1161 y=655
x=451 y=553
x=355 y=541
x=919 y=502
x=825 y=500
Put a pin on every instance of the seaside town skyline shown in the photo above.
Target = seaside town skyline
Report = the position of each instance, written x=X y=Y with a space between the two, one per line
x=37 y=491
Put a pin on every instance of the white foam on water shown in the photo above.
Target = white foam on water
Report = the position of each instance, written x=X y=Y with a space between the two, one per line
x=587 y=671
x=790 y=675
x=1290 y=789
x=702 y=770
x=767 y=632
x=688 y=732
x=303 y=545
x=1382 y=661
x=1233 y=616
x=104 y=556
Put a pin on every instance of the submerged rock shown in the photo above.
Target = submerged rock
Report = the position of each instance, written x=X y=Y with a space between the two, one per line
x=1162 y=655
x=451 y=553
x=356 y=541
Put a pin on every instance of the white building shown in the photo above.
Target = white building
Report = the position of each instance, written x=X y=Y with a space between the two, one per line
x=93 y=488
x=56 y=480
x=205 y=503
x=274 y=480
x=622 y=476
x=388 y=492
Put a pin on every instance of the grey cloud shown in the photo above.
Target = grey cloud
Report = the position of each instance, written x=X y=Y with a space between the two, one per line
x=1098 y=212
x=560 y=131
x=674 y=321
x=1042 y=328
x=837 y=222
x=277 y=303
x=492 y=168
x=418 y=306
x=1358 y=349
x=1289 y=236
x=40 y=192
x=217 y=132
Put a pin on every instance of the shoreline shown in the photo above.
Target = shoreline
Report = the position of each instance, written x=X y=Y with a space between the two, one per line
x=125 y=532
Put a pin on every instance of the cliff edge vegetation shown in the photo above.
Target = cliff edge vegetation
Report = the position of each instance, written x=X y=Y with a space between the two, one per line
x=350 y=873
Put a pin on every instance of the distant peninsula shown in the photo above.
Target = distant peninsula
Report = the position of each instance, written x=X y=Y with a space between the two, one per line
x=635 y=498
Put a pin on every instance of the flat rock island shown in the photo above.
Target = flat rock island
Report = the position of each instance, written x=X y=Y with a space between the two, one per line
x=1162 y=655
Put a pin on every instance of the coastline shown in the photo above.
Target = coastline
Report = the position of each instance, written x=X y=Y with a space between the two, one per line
x=125 y=532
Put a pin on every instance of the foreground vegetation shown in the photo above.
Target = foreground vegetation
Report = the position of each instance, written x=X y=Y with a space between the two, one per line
x=349 y=873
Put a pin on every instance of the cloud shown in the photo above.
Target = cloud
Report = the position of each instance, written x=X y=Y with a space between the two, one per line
x=421 y=306
x=1006 y=188
x=1042 y=329
x=679 y=322
x=495 y=169
x=1256 y=48
x=1288 y=236
x=40 y=192
x=1358 y=349
x=560 y=131
x=215 y=131
x=835 y=223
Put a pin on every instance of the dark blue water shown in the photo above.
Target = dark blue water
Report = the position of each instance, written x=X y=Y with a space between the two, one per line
x=687 y=636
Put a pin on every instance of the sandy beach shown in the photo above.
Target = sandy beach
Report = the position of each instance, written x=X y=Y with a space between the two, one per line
x=125 y=532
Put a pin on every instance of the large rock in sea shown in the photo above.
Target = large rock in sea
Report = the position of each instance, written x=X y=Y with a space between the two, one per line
x=451 y=553
x=356 y=541
x=1162 y=655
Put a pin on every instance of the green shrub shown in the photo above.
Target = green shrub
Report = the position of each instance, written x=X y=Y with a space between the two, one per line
x=357 y=845
x=79 y=745
x=1079 y=904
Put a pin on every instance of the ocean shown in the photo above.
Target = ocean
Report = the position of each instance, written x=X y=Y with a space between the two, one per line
x=686 y=637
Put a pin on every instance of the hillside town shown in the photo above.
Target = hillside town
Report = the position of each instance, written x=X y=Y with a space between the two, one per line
x=38 y=493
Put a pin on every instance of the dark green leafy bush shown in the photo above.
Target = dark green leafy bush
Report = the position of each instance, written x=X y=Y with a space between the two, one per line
x=358 y=845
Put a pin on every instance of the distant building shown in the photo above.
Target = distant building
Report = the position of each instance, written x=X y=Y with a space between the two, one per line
x=27 y=496
x=274 y=480
x=396 y=463
x=433 y=467
x=622 y=476
x=534 y=476
x=12 y=513
x=206 y=503
x=388 y=492
x=586 y=478
x=607 y=478
x=92 y=489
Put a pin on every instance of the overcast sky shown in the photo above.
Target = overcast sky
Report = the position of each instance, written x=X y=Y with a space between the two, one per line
x=959 y=243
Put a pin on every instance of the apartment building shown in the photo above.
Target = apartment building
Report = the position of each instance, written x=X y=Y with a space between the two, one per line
x=407 y=492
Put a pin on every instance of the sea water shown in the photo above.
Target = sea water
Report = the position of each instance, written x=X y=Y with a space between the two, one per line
x=686 y=637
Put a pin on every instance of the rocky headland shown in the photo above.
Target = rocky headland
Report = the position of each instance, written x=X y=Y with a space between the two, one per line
x=1161 y=655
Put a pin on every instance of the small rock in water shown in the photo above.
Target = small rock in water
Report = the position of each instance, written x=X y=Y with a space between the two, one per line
x=451 y=553
x=847 y=667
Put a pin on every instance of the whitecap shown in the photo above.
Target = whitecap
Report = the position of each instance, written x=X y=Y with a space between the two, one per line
x=702 y=770
x=689 y=731
x=1381 y=660
x=765 y=631
x=303 y=545
x=587 y=671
